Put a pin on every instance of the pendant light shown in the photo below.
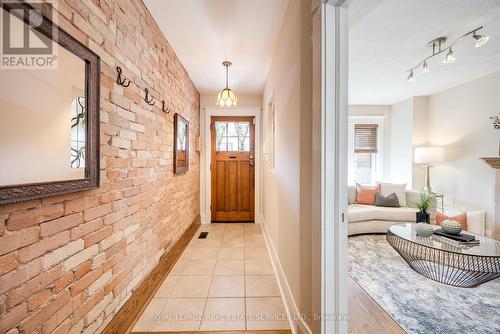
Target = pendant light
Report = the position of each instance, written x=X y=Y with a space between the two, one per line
x=226 y=97
x=450 y=58
x=480 y=39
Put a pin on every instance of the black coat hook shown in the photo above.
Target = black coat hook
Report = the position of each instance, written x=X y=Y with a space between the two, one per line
x=122 y=82
x=148 y=100
x=166 y=110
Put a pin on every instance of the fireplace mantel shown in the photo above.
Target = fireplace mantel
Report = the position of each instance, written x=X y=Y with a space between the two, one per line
x=493 y=162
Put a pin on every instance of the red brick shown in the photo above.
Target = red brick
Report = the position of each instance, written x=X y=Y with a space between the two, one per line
x=38 y=299
x=63 y=282
x=61 y=224
x=15 y=240
x=95 y=237
x=87 y=305
x=85 y=281
x=41 y=281
x=36 y=319
x=2 y=225
x=43 y=246
x=20 y=275
x=49 y=326
x=35 y=216
x=82 y=269
x=7 y=263
x=13 y=317
x=99 y=211
x=86 y=228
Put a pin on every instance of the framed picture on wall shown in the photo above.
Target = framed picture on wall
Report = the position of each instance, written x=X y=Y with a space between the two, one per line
x=181 y=144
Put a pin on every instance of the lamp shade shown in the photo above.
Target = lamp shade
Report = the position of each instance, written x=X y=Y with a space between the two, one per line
x=429 y=155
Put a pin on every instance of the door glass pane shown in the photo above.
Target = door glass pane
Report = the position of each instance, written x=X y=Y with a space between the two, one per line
x=232 y=136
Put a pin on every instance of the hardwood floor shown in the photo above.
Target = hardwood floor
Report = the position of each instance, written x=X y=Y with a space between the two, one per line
x=365 y=315
x=222 y=332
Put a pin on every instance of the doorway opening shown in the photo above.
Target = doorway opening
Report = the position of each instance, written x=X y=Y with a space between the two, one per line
x=232 y=168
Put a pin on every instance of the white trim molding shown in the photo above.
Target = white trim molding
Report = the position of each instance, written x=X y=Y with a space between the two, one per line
x=295 y=318
x=205 y=158
x=334 y=142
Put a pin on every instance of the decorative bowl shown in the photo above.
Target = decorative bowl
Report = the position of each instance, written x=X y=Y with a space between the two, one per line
x=424 y=230
x=451 y=227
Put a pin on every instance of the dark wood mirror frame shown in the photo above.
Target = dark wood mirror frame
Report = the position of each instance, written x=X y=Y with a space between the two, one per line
x=178 y=169
x=25 y=192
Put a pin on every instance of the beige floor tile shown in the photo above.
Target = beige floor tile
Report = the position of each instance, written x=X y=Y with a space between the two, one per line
x=199 y=267
x=224 y=314
x=258 y=267
x=201 y=253
x=227 y=286
x=212 y=242
x=232 y=242
x=266 y=314
x=167 y=286
x=191 y=286
x=256 y=253
x=181 y=314
x=150 y=315
x=229 y=267
x=231 y=253
x=179 y=267
x=261 y=286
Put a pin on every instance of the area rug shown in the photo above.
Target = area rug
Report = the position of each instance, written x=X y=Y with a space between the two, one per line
x=418 y=304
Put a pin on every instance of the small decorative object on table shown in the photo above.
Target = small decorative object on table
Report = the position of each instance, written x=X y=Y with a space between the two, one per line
x=424 y=203
x=496 y=124
x=451 y=227
x=424 y=229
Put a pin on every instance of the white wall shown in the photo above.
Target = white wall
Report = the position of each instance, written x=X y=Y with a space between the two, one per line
x=35 y=121
x=459 y=121
x=210 y=100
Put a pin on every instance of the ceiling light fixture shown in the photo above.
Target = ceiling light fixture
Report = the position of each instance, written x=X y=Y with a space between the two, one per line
x=450 y=58
x=410 y=78
x=480 y=39
x=438 y=47
x=226 y=97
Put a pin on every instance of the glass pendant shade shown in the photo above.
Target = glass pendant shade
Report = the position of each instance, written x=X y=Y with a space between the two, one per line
x=480 y=39
x=227 y=98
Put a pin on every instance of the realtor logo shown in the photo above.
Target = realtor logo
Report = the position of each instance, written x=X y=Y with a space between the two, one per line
x=23 y=45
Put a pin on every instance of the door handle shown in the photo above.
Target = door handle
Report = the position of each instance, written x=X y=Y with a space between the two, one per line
x=232 y=157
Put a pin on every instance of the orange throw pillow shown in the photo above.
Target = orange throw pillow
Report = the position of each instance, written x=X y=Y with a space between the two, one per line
x=461 y=218
x=366 y=194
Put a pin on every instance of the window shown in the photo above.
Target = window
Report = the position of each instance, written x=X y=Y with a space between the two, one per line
x=365 y=150
x=232 y=136
x=77 y=153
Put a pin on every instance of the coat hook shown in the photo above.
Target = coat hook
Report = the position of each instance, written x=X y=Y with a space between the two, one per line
x=148 y=100
x=167 y=110
x=122 y=82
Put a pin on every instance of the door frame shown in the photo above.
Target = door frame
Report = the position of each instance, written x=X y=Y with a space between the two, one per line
x=206 y=158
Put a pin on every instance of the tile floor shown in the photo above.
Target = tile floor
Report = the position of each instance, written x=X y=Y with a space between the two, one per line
x=224 y=282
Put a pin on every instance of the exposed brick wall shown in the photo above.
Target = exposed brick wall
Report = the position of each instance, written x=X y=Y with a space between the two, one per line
x=68 y=263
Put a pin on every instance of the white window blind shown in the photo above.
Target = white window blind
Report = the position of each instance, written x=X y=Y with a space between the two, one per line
x=365 y=138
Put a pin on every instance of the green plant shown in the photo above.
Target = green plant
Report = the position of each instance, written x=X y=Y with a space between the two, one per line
x=424 y=201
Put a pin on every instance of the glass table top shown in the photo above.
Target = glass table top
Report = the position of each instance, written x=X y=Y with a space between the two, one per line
x=486 y=246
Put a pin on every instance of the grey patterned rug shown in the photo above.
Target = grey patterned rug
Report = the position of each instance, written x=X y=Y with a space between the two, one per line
x=418 y=304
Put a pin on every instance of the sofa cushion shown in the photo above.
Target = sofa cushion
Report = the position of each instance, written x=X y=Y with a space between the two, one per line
x=366 y=194
x=394 y=214
x=359 y=213
x=399 y=189
x=387 y=201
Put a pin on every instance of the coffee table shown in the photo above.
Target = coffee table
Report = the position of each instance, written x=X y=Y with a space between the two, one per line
x=444 y=260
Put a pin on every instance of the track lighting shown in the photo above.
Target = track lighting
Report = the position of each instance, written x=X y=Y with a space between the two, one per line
x=450 y=58
x=410 y=78
x=438 y=48
x=425 y=67
x=480 y=39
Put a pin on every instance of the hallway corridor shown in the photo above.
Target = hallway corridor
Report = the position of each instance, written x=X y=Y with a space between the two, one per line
x=223 y=282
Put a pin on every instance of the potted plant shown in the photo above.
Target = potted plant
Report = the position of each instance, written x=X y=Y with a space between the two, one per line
x=424 y=201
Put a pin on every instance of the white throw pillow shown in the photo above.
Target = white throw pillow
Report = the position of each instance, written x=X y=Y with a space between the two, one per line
x=399 y=189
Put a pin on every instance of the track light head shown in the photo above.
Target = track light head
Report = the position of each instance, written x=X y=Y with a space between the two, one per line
x=410 y=78
x=480 y=39
x=450 y=58
x=425 y=67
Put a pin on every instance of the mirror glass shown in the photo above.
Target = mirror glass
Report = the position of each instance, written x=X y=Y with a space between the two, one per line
x=182 y=128
x=43 y=120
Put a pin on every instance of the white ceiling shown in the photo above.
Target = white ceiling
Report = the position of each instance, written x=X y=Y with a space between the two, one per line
x=389 y=36
x=203 y=33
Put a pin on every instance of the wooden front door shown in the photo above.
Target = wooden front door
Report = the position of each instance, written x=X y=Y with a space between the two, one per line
x=233 y=168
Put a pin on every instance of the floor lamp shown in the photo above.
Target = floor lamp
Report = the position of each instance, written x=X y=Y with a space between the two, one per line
x=427 y=157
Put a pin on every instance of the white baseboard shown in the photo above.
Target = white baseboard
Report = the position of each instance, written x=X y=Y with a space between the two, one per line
x=294 y=316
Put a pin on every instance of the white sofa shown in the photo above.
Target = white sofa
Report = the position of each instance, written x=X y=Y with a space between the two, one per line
x=364 y=219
